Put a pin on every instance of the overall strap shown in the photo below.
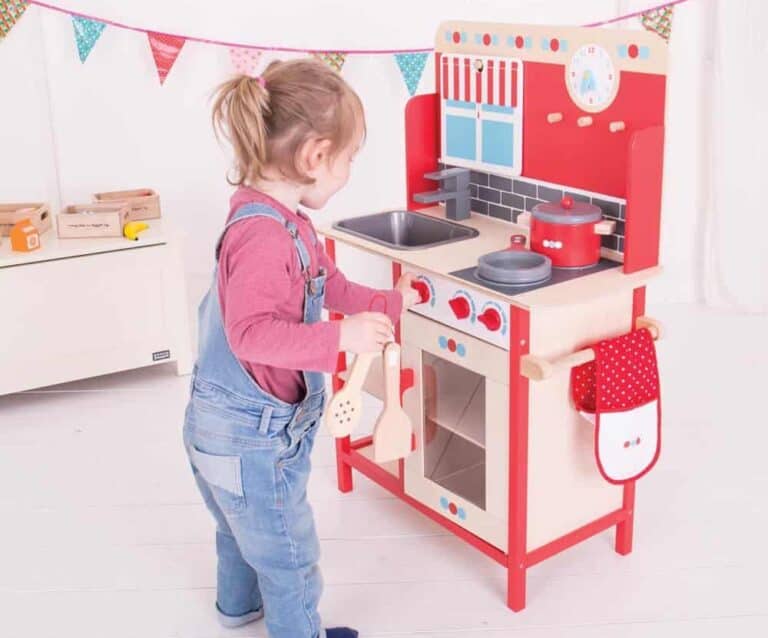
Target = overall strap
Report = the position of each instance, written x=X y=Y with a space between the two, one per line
x=263 y=210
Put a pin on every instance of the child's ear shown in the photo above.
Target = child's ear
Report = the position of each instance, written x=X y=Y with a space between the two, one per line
x=315 y=153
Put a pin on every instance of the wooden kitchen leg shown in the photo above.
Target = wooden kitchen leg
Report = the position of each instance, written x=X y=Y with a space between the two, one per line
x=343 y=445
x=519 y=336
x=625 y=529
x=343 y=469
x=516 y=587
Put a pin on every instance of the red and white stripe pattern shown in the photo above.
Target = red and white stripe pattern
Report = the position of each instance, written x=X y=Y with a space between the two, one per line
x=496 y=84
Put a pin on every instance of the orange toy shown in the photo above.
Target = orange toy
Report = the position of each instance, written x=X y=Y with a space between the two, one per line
x=24 y=236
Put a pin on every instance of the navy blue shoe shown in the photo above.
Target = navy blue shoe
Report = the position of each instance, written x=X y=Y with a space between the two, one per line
x=341 y=632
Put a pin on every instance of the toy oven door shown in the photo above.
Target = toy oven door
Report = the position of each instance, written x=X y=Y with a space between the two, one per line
x=459 y=410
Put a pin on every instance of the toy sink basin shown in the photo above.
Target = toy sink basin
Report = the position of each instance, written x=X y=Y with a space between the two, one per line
x=405 y=230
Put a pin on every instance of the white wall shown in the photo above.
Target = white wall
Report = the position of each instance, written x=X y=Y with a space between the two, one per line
x=27 y=165
x=116 y=127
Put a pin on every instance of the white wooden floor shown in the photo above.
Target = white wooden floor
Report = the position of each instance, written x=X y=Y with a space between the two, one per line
x=103 y=533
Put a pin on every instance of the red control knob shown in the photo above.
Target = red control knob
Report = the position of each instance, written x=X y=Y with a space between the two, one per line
x=460 y=307
x=491 y=319
x=422 y=288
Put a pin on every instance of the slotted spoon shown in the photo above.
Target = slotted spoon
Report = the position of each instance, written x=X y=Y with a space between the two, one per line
x=343 y=412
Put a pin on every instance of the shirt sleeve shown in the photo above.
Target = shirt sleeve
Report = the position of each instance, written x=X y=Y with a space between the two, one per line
x=255 y=281
x=350 y=298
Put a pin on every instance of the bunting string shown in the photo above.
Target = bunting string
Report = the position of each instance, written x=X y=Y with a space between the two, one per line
x=245 y=58
x=260 y=47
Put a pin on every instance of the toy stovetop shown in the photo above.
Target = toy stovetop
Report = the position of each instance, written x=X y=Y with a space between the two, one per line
x=493 y=235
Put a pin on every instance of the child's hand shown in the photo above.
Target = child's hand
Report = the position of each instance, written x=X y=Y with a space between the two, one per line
x=365 y=332
x=410 y=295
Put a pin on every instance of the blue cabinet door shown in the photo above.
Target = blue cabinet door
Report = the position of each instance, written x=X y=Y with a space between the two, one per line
x=498 y=136
x=461 y=130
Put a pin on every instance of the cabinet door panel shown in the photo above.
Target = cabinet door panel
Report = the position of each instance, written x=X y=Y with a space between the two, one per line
x=460 y=136
x=498 y=143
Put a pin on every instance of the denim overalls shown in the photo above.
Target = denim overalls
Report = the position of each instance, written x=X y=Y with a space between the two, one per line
x=250 y=457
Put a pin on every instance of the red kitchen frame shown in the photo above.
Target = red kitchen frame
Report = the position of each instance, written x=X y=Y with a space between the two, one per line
x=643 y=194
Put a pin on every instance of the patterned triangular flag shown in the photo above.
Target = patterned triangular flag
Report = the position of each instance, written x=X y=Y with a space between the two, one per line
x=333 y=59
x=412 y=67
x=10 y=12
x=165 y=50
x=659 y=21
x=245 y=61
x=86 y=33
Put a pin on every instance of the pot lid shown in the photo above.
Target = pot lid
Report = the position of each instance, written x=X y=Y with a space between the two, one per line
x=568 y=212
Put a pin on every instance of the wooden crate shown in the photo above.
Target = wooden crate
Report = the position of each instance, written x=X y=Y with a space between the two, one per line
x=38 y=214
x=143 y=203
x=93 y=220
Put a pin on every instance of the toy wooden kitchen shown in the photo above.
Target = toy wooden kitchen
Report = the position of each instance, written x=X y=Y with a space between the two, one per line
x=528 y=370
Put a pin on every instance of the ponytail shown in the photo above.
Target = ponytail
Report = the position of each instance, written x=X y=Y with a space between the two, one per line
x=240 y=111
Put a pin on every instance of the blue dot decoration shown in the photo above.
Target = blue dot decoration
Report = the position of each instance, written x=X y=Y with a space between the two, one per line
x=463 y=36
x=448 y=36
x=622 y=50
x=495 y=40
x=461 y=350
x=442 y=342
x=510 y=40
x=444 y=502
x=563 y=45
x=478 y=38
x=545 y=44
x=461 y=514
x=528 y=42
x=645 y=53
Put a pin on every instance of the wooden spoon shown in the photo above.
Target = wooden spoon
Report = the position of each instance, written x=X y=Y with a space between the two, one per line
x=343 y=412
x=393 y=432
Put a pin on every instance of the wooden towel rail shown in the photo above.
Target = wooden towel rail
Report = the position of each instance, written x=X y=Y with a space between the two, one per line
x=539 y=368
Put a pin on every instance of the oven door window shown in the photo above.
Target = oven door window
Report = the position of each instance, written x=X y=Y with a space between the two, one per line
x=454 y=428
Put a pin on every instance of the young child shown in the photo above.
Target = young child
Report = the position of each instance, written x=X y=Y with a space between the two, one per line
x=258 y=389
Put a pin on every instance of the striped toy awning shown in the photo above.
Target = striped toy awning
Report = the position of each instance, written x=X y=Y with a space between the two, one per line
x=495 y=84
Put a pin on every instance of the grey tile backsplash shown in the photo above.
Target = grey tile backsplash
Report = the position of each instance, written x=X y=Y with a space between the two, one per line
x=505 y=198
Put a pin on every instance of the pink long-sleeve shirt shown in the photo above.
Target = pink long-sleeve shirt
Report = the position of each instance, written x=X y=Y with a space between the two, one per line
x=261 y=292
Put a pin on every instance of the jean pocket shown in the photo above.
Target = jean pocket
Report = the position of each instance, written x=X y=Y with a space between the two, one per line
x=224 y=475
x=299 y=443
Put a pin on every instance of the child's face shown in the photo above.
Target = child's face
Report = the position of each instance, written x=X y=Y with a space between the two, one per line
x=331 y=173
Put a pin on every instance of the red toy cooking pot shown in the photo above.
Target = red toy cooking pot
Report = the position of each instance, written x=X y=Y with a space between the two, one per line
x=568 y=233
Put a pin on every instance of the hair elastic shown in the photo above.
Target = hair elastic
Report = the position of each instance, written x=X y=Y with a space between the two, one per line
x=262 y=82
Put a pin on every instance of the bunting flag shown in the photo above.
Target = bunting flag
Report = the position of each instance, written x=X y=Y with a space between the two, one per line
x=10 y=12
x=659 y=21
x=334 y=59
x=86 y=33
x=165 y=50
x=245 y=61
x=412 y=68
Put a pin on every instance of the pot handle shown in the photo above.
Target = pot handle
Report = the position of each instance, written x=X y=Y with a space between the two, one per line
x=524 y=219
x=605 y=227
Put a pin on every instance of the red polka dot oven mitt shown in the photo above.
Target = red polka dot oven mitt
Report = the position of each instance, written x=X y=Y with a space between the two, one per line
x=618 y=392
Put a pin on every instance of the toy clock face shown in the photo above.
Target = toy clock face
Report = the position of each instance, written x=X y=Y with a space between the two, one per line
x=591 y=78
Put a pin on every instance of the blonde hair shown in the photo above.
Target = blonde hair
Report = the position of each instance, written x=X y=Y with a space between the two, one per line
x=268 y=119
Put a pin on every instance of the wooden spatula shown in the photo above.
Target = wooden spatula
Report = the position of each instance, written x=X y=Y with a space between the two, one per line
x=393 y=432
x=343 y=412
